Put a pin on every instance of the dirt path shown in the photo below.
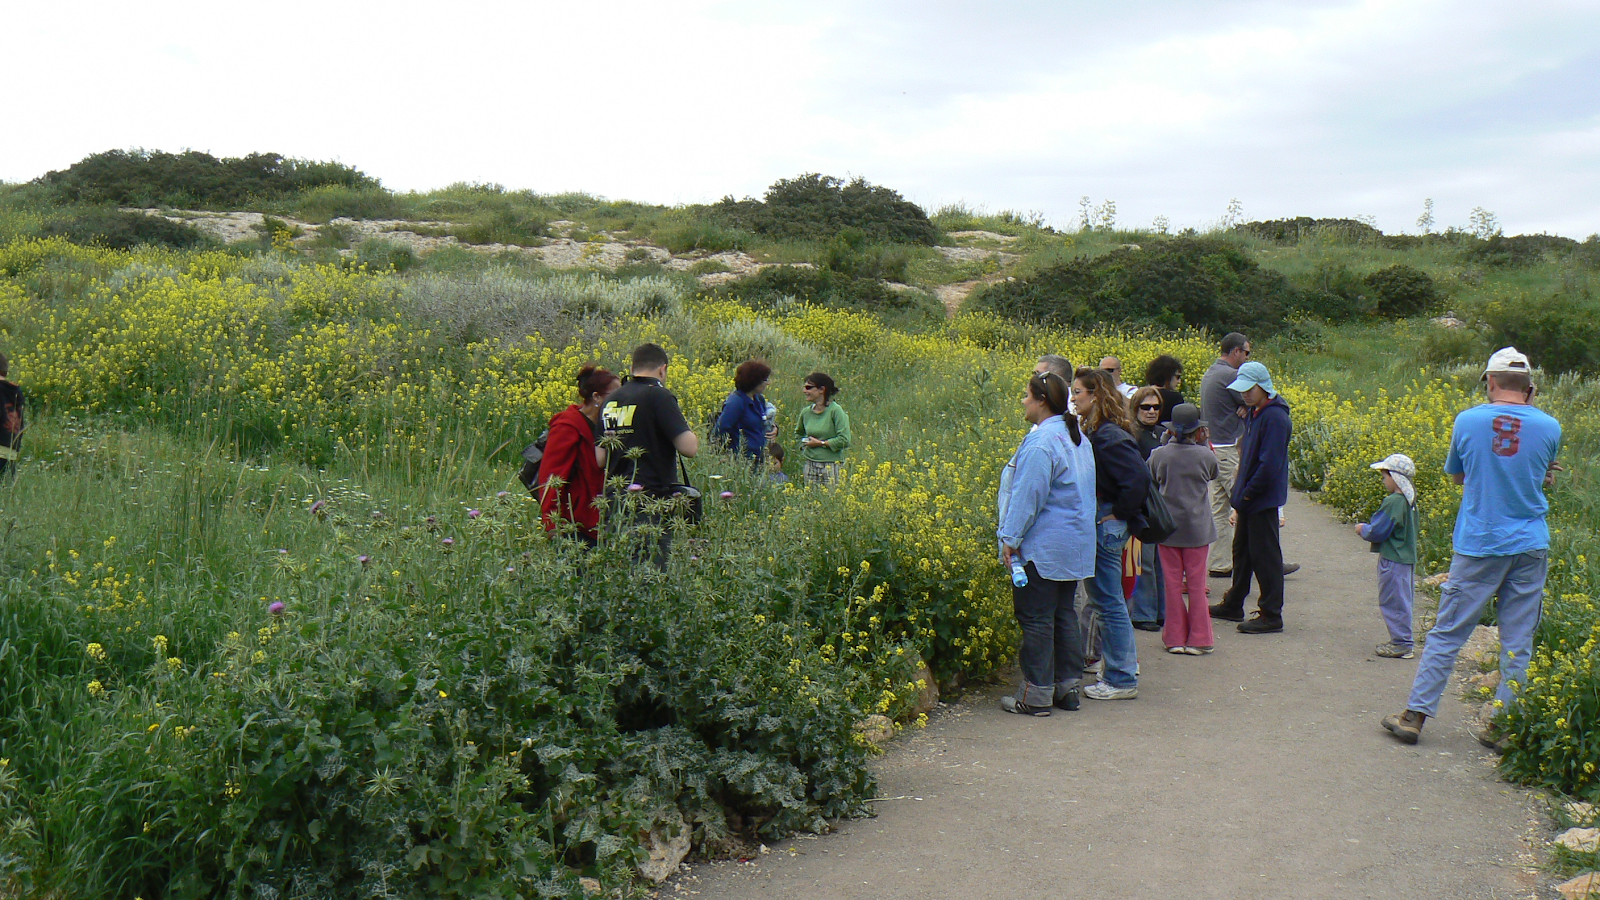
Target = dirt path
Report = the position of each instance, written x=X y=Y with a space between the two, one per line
x=1257 y=772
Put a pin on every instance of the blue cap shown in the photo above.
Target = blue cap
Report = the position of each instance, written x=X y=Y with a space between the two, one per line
x=1250 y=375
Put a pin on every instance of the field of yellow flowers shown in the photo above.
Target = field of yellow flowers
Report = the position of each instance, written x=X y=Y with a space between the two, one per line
x=271 y=564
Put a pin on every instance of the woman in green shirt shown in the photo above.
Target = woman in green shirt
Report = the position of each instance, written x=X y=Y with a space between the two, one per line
x=824 y=431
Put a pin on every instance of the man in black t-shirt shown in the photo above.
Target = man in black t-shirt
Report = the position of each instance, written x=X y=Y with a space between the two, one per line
x=11 y=424
x=645 y=417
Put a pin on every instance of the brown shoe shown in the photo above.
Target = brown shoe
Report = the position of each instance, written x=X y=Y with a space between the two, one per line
x=1406 y=726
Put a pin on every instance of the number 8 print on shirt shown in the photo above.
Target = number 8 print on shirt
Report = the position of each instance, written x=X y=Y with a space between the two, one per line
x=1506 y=442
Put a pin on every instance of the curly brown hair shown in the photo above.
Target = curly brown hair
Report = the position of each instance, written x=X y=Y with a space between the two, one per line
x=1106 y=403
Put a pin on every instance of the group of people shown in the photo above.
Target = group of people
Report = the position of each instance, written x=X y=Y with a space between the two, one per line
x=649 y=436
x=1076 y=497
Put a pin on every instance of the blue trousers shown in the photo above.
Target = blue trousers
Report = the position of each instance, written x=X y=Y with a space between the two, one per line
x=1105 y=592
x=1518 y=582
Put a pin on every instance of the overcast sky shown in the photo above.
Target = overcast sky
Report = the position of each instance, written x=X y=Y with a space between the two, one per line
x=1167 y=108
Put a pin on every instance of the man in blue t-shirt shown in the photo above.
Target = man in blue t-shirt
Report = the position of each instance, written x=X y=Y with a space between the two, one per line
x=1503 y=454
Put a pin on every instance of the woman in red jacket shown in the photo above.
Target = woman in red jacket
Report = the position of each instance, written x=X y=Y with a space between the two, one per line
x=572 y=456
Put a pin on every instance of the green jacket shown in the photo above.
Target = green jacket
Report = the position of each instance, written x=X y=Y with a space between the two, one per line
x=831 y=425
x=1393 y=530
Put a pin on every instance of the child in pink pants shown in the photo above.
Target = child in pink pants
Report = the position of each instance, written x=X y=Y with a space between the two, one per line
x=1183 y=469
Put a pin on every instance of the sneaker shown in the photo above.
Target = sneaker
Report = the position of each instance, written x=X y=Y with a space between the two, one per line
x=1095 y=667
x=1178 y=650
x=1012 y=705
x=1198 y=651
x=1226 y=613
x=1261 y=624
x=1069 y=701
x=1102 y=691
x=1290 y=568
x=1392 y=650
x=1406 y=726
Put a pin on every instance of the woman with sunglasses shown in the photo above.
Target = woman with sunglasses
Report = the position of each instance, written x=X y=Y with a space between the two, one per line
x=824 y=430
x=1121 y=482
x=1146 y=606
x=1046 y=530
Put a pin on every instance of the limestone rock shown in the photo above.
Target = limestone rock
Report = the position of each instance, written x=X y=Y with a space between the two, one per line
x=1448 y=321
x=591 y=886
x=876 y=729
x=1580 y=840
x=1578 y=811
x=928 y=696
x=667 y=843
x=1585 y=885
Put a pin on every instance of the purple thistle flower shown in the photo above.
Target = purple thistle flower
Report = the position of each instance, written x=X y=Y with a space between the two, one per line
x=636 y=487
x=502 y=495
x=449 y=542
x=376 y=514
x=727 y=495
x=473 y=513
x=317 y=506
x=363 y=559
x=276 y=608
x=431 y=519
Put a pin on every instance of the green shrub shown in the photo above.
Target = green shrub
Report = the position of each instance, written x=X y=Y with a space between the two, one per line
x=507 y=225
x=1186 y=282
x=1560 y=332
x=1517 y=251
x=708 y=267
x=850 y=254
x=818 y=207
x=119 y=230
x=195 y=179
x=1401 y=291
x=1293 y=231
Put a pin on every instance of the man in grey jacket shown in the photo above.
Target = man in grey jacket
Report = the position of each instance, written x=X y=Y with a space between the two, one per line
x=1223 y=411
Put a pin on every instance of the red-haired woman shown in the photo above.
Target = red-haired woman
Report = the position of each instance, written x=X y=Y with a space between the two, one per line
x=572 y=472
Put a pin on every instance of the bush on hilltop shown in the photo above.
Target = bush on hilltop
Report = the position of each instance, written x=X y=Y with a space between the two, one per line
x=818 y=207
x=196 y=179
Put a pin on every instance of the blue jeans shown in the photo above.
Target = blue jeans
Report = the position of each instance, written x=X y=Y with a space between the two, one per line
x=1105 y=592
x=1148 y=603
x=1519 y=583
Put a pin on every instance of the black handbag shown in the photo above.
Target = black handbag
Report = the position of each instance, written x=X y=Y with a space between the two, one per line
x=694 y=505
x=1158 y=519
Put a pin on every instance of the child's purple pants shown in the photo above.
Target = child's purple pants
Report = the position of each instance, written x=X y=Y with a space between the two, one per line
x=1395 y=592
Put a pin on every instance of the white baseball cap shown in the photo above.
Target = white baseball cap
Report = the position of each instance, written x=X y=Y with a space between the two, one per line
x=1508 y=359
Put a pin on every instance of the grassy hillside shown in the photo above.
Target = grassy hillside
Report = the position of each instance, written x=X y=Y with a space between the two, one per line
x=276 y=614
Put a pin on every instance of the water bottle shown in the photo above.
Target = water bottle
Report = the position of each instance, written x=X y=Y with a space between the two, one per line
x=1019 y=575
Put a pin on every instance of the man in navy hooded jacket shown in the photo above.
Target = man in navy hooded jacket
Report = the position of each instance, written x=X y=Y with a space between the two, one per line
x=1259 y=488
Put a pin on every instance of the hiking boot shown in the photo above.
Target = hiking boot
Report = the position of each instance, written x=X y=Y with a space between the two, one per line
x=1391 y=650
x=1261 y=623
x=1490 y=736
x=1068 y=700
x=1147 y=626
x=1102 y=691
x=1406 y=726
x=1226 y=613
x=1012 y=705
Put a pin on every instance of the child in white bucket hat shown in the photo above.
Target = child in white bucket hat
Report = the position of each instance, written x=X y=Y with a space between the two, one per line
x=1393 y=535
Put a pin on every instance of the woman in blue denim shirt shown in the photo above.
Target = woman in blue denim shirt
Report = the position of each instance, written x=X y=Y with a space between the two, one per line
x=1046 y=506
x=1121 y=482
